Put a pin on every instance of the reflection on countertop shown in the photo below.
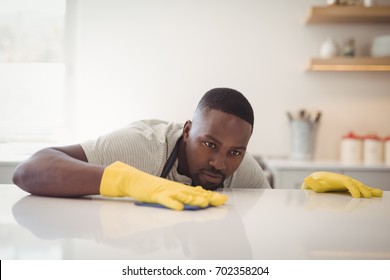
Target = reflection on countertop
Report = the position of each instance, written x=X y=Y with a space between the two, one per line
x=254 y=224
x=212 y=233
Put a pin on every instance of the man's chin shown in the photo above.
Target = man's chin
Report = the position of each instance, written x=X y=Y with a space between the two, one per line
x=211 y=187
x=209 y=183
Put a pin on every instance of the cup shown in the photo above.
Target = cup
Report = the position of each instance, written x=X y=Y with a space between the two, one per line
x=303 y=138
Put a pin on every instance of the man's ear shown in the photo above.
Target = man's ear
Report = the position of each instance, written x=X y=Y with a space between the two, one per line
x=186 y=130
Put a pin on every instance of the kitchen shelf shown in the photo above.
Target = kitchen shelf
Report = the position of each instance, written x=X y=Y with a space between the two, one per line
x=350 y=64
x=348 y=14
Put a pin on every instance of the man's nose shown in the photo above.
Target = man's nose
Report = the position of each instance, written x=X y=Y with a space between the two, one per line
x=218 y=161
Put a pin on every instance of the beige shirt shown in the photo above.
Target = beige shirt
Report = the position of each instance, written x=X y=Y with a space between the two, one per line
x=147 y=144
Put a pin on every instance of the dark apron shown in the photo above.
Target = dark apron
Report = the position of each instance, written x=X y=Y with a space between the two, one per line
x=171 y=159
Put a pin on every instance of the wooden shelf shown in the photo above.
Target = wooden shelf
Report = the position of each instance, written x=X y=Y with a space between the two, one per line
x=350 y=64
x=348 y=14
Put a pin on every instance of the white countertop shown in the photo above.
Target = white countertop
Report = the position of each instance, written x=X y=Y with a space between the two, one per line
x=254 y=224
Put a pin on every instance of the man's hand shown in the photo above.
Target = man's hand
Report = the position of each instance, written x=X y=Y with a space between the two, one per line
x=121 y=180
x=329 y=182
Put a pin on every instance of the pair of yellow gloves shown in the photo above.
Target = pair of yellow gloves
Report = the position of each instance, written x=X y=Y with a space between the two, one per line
x=121 y=180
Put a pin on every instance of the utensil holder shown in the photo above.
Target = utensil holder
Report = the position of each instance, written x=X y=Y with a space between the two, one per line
x=303 y=139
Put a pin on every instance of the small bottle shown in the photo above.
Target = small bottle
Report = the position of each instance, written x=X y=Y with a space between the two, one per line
x=348 y=48
x=351 y=149
x=387 y=149
x=373 y=149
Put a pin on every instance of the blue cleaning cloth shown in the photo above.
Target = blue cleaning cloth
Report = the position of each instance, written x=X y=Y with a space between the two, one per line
x=186 y=206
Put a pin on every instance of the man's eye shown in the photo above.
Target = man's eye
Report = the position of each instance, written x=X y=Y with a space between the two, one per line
x=235 y=153
x=210 y=145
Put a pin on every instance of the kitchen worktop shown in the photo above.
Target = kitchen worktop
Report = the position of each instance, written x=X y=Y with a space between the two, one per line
x=254 y=224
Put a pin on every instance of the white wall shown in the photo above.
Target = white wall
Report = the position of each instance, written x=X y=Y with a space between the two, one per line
x=136 y=59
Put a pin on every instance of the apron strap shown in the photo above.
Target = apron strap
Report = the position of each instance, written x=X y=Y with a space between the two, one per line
x=171 y=159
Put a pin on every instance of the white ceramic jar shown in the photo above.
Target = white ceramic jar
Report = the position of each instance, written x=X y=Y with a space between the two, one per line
x=351 y=151
x=387 y=150
x=331 y=2
x=373 y=149
x=329 y=48
x=369 y=3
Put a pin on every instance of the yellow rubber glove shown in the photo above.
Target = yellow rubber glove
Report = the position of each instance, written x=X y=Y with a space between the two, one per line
x=330 y=182
x=120 y=179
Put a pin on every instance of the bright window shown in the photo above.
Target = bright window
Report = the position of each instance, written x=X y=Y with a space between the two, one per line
x=32 y=70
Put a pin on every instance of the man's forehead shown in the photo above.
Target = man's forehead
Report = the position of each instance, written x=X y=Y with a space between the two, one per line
x=213 y=116
x=224 y=126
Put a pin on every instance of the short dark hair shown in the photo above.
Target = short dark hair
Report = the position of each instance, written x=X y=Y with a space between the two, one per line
x=227 y=100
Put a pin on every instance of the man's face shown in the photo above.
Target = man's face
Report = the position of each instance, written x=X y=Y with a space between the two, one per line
x=215 y=145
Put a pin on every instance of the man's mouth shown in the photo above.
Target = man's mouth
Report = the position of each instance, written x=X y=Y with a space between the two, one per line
x=213 y=177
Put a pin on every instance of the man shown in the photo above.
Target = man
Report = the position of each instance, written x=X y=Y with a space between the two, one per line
x=209 y=151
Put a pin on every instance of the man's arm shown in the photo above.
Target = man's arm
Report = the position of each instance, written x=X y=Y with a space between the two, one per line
x=62 y=172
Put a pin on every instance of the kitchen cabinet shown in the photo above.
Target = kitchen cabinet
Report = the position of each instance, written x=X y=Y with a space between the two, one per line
x=289 y=174
x=349 y=14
